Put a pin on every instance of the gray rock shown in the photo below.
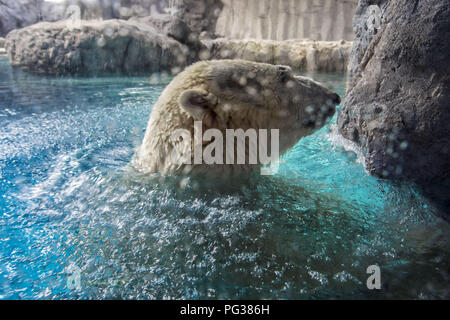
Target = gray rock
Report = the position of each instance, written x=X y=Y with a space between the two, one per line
x=308 y=55
x=17 y=14
x=397 y=104
x=325 y=20
x=94 y=47
x=363 y=32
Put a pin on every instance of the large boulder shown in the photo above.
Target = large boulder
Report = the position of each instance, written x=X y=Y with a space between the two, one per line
x=95 y=47
x=309 y=55
x=397 y=103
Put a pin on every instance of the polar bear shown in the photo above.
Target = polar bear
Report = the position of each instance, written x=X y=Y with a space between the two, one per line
x=225 y=95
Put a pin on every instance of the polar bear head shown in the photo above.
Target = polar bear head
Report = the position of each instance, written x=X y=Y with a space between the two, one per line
x=235 y=94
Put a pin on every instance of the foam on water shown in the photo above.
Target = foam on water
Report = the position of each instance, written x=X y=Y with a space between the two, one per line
x=69 y=198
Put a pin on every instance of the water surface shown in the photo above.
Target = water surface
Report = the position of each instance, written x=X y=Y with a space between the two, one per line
x=69 y=201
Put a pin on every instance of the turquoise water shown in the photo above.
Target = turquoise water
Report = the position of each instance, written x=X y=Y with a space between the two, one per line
x=69 y=201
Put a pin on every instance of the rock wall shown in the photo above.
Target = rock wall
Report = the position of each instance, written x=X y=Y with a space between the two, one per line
x=304 y=55
x=16 y=14
x=287 y=19
x=397 y=103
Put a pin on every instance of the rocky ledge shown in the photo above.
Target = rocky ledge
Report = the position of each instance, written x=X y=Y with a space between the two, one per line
x=309 y=55
x=397 y=104
x=97 y=47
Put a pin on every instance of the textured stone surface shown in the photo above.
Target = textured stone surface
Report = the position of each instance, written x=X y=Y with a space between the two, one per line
x=397 y=104
x=236 y=19
x=331 y=56
x=199 y=15
x=94 y=47
x=363 y=32
x=325 y=20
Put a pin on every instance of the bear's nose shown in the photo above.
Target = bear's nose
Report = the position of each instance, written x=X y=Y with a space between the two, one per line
x=336 y=99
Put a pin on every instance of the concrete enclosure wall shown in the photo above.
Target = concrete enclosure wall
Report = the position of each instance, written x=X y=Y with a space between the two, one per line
x=287 y=19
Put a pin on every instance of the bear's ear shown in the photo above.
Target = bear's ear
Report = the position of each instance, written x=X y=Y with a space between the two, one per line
x=200 y=105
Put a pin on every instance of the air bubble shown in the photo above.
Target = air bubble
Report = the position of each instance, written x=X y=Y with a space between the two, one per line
x=225 y=53
x=193 y=37
x=204 y=55
x=175 y=70
x=124 y=32
x=165 y=77
x=154 y=79
x=181 y=59
x=184 y=183
x=108 y=31
x=404 y=145
x=309 y=109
